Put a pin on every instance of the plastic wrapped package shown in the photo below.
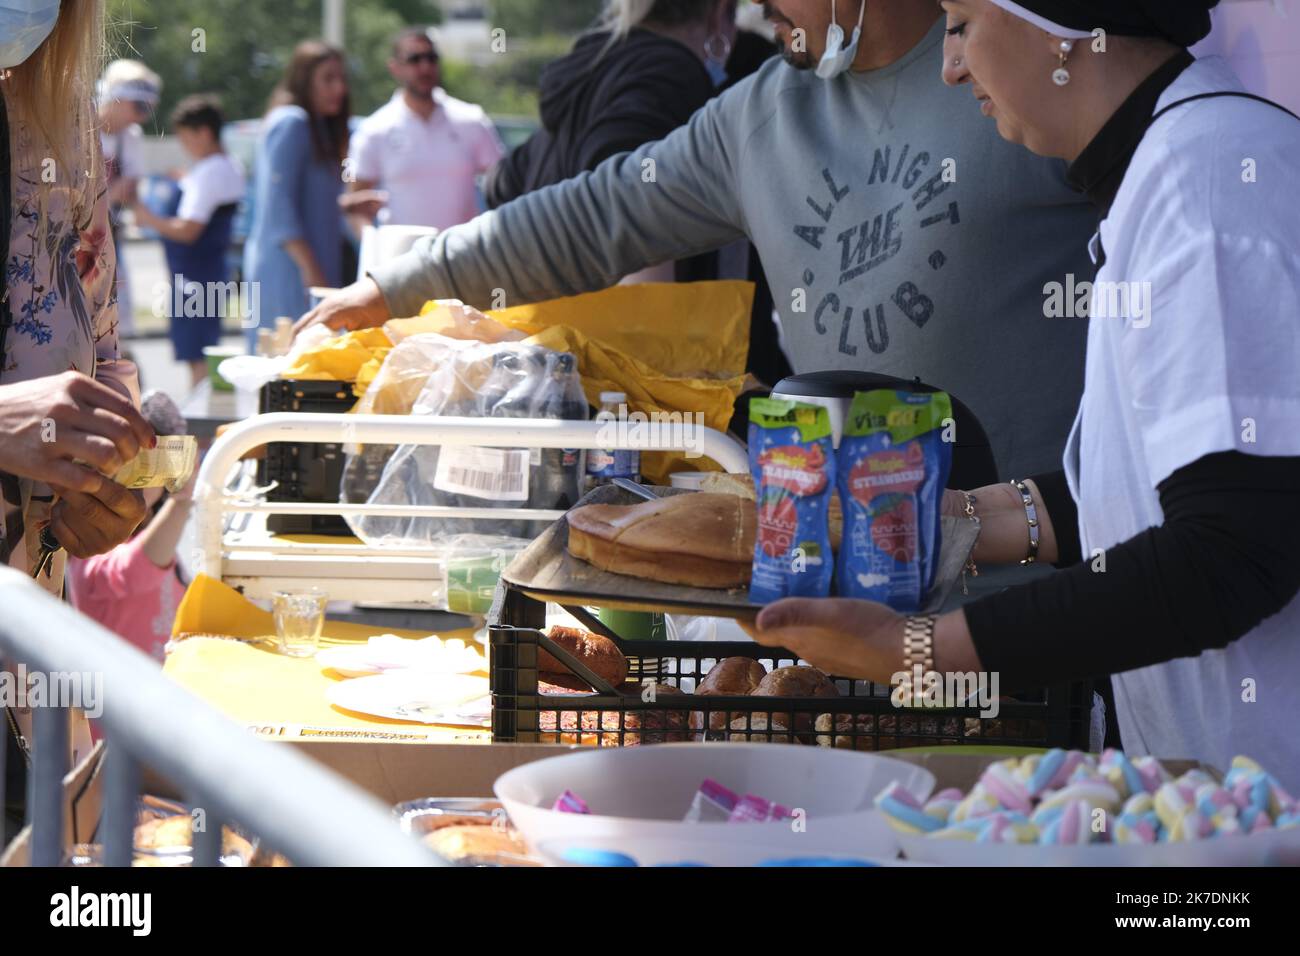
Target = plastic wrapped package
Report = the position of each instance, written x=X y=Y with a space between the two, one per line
x=394 y=391
x=477 y=380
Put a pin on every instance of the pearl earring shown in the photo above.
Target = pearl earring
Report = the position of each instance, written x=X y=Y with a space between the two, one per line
x=1061 y=76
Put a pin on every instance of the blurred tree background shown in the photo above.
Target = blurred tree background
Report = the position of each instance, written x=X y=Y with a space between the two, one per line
x=247 y=44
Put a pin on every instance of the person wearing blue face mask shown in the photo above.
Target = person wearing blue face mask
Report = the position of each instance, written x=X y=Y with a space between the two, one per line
x=899 y=234
x=24 y=26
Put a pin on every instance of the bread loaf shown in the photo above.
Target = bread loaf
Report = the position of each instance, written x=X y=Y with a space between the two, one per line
x=693 y=539
x=596 y=651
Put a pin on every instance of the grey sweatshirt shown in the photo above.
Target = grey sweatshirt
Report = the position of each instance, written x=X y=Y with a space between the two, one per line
x=877 y=259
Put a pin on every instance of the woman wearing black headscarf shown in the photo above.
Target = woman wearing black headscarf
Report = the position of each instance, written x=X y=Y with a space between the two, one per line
x=1180 y=569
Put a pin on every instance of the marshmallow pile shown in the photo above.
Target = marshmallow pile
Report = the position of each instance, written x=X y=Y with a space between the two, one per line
x=1071 y=797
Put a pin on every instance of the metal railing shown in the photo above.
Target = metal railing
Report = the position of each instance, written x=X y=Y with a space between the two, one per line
x=311 y=815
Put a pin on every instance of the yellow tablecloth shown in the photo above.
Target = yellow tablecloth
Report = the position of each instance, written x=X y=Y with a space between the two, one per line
x=281 y=696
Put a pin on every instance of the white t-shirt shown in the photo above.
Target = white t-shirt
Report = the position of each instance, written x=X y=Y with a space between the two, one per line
x=428 y=166
x=214 y=181
x=122 y=152
x=1209 y=216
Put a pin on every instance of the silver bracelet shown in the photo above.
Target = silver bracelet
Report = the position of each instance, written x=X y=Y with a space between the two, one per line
x=1031 y=513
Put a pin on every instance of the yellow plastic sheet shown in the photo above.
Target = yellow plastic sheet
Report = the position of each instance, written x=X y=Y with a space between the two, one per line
x=689 y=330
x=352 y=357
x=671 y=347
x=254 y=685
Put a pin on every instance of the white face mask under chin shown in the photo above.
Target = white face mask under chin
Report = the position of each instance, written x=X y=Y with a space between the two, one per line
x=24 y=26
x=839 y=57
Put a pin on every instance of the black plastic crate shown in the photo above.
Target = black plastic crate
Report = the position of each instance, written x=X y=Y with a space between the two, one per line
x=862 y=718
x=309 y=471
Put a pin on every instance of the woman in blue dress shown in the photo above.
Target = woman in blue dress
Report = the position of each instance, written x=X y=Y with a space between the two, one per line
x=296 y=238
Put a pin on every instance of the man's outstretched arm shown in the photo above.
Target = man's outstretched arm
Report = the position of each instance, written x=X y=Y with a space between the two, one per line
x=665 y=201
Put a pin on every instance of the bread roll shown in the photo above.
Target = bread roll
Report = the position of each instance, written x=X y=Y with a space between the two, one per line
x=693 y=539
x=563 y=685
x=884 y=731
x=730 y=676
x=603 y=728
x=798 y=680
x=757 y=728
x=596 y=651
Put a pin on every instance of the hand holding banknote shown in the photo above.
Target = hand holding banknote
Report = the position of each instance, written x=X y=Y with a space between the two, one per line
x=68 y=430
x=89 y=524
x=94 y=523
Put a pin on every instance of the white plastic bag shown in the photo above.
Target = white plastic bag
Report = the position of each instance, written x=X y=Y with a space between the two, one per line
x=477 y=380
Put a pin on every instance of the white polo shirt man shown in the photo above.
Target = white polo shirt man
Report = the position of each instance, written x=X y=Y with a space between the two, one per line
x=427 y=167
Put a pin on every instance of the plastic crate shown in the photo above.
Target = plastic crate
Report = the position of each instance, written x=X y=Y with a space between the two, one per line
x=309 y=471
x=862 y=718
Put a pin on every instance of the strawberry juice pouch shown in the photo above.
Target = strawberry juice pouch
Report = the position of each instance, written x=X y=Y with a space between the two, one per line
x=792 y=459
x=893 y=467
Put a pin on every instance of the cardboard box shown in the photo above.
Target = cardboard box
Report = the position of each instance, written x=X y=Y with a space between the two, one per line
x=395 y=773
x=83 y=802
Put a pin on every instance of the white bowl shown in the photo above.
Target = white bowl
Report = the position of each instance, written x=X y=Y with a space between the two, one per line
x=639 y=795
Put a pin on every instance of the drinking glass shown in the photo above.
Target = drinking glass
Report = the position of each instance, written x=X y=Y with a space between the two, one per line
x=299 y=617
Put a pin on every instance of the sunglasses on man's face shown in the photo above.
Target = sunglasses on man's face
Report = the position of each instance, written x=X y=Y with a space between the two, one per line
x=417 y=58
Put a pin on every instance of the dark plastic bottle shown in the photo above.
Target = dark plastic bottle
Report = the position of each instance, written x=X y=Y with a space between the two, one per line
x=556 y=483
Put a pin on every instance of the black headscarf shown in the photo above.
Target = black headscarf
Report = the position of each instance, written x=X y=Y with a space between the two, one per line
x=1183 y=22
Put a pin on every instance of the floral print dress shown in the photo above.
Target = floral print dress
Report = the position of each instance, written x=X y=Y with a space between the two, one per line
x=60 y=286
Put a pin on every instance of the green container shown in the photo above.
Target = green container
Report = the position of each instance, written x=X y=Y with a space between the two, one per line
x=471 y=583
x=215 y=355
x=634 y=625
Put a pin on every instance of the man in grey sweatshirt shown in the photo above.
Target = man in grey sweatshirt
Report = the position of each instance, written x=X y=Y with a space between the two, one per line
x=899 y=232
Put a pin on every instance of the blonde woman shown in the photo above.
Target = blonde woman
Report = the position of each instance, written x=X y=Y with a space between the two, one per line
x=66 y=396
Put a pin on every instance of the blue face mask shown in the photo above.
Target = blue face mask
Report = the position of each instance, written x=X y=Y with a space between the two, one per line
x=839 y=57
x=24 y=25
x=717 y=71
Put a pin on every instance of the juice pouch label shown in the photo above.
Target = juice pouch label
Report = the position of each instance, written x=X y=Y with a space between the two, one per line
x=792 y=459
x=893 y=466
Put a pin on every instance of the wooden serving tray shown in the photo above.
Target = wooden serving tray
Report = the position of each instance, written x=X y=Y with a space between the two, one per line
x=547 y=572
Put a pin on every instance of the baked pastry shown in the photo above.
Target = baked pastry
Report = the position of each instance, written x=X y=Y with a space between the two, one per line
x=563 y=684
x=759 y=728
x=697 y=539
x=884 y=731
x=175 y=833
x=729 y=676
x=743 y=485
x=722 y=483
x=732 y=675
x=596 y=651
x=472 y=844
x=604 y=728
x=796 y=680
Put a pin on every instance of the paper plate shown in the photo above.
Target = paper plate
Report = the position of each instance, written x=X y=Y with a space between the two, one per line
x=385 y=653
x=454 y=699
x=639 y=795
x=1271 y=848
